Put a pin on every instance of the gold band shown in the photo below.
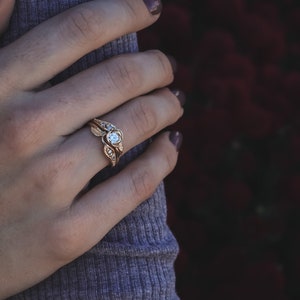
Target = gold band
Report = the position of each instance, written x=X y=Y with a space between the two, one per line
x=111 y=138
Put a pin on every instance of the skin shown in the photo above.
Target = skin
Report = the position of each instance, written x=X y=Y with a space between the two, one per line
x=6 y=9
x=42 y=144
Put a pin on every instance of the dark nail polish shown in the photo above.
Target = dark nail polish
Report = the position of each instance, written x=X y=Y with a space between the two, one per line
x=180 y=95
x=154 y=6
x=173 y=63
x=176 y=139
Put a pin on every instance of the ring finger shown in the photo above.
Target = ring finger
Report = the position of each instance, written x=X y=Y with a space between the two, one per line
x=139 y=119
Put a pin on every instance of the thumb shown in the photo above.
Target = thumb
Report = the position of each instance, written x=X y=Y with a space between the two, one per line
x=6 y=9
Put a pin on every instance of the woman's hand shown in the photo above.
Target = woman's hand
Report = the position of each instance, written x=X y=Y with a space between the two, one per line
x=48 y=155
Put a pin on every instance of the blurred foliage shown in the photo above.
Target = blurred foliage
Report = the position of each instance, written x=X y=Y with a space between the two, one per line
x=234 y=197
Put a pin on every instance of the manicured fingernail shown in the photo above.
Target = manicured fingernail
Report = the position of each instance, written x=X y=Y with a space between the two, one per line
x=176 y=139
x=173 y=63
x=154 y=6
x=180 y=95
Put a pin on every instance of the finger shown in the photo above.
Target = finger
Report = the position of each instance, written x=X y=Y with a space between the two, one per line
x=139 y=120
x=60 y=41
x=102 y=88
x=70 y=164
x=70 y=105
x=90 y=218
x=6 y=9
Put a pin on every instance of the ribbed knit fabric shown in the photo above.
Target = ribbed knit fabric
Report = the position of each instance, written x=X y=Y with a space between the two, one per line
x=135 y=259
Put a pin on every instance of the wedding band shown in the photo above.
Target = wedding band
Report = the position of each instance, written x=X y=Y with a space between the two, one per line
x=111 y=138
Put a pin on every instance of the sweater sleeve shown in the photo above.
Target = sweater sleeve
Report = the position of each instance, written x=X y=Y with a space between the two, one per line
x=135 y=260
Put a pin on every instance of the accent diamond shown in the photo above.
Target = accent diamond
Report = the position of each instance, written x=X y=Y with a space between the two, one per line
x=109 y=127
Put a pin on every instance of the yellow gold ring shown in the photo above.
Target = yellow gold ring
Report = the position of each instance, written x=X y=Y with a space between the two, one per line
x=111 y=138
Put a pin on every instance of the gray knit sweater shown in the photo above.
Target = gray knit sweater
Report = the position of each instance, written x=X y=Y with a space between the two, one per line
x=135 y=259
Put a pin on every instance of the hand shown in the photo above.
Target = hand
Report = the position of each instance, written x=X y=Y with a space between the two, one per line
x=48 y=155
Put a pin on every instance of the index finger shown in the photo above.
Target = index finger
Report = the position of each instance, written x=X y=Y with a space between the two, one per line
x=55 y=44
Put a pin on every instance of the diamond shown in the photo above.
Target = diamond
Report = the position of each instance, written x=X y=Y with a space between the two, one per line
x=109 y=127
x=113 y=138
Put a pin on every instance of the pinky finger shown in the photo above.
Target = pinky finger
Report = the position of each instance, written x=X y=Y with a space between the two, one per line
x=92 y=216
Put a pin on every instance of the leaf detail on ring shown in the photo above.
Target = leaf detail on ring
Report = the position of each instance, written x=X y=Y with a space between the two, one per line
x=111 y=154
x=96 y=131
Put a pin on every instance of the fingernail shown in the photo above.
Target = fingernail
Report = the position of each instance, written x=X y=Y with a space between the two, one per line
x=173 y=63
x=176 y=139
x=180 y=96
x=154 y=6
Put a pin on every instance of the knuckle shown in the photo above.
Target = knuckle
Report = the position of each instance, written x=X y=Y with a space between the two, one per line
x=20 y=130
x=172 y=107
x=143 y=118
x=7 y=81
x=82 y=25
x=54 y=173
x=164 y=64
x=130 y=9
x=63 y=241
x=169 y=159
x=142 y=183
x=43 y=177
x=12 y=135
x=50 y=173
x=124 y=74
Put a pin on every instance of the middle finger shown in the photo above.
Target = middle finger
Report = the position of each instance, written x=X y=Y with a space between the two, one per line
x=102 y=88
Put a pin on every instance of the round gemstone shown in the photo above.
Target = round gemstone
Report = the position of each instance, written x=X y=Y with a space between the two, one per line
x=109 y=127
x=113 y=137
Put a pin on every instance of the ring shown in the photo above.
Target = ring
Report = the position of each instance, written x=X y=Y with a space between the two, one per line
x=111 y=138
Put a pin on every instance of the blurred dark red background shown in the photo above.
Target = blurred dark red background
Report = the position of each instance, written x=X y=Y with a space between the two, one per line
x=234 y=198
